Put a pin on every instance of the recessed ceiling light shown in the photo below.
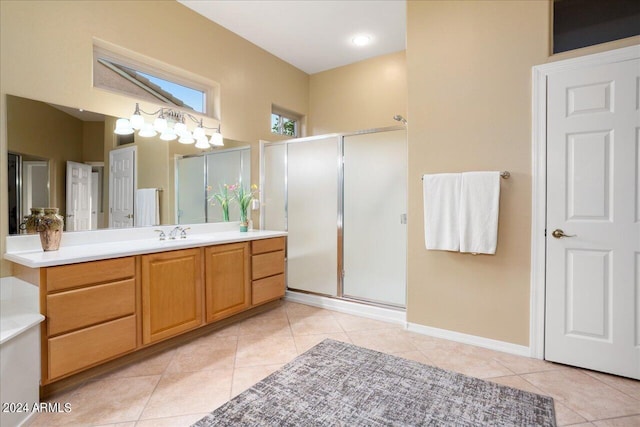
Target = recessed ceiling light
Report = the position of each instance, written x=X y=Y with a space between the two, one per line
x=361 y=40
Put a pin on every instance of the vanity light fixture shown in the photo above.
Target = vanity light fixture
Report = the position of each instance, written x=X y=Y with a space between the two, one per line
x=170 y=124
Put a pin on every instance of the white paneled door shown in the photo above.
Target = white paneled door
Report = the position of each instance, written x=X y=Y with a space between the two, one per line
x=122 y=184
x=78 y=196
x=593 y=218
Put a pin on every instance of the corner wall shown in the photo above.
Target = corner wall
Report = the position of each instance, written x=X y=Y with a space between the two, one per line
x=363 y=95
x=469 y=80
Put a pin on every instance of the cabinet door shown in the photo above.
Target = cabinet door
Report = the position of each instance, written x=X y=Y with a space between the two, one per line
x=171 y=293
x=228 y=286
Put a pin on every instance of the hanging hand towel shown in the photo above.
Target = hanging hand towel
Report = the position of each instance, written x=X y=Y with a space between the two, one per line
x=479 y=208
x=147 y=210
x=442 y=211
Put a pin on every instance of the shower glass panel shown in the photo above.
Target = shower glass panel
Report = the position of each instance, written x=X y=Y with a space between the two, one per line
x=273 y=187
x=191 y=190
x=222 y=168
x=312 y=214
x=374 y=217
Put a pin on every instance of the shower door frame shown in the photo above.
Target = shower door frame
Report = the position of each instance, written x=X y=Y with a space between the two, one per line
x=340 y=214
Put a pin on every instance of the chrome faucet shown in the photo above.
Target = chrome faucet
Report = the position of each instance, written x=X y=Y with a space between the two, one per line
x=183 y=232
x=174 y=233
x=162 y=235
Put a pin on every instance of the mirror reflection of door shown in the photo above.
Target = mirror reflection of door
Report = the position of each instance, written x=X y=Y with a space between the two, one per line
x=35 y=185
x=13 y=184
x=78 y=197
x=122 y=184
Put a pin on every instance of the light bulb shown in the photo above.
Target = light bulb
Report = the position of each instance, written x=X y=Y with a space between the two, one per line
x=123 y=127
x=137 y=121
x=217 y=140
x=168 y=135
x=202 y=142
x=186 y=138
x=160 y=124
x=147 y=131
x=179 y=128
x=198 y=132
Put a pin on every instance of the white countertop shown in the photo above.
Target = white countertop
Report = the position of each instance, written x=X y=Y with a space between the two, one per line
x=115 y=249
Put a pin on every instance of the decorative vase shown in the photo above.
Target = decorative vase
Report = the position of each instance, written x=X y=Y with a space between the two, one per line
x=225 y=212
x=244 y=222
x=30 y=225
x=50 y=228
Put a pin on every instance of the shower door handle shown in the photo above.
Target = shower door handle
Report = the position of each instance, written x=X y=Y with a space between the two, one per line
x=403 y=218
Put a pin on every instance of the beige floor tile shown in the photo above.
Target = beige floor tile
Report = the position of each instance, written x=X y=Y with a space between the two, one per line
x=265 y=324
x=243 y=378
x=255 y=350
x=355 y=323
x=305 y=342
x=302 y=310
x=105 y=401
x=589 y=397
x=633 y=421
x=153 y=365
x=180 y=421
x=525 y=365
x=625 y=385
x=202 y=358
x=415 y=355
x=316 y=324
x=127 y=424
x=565 y=416
x=383 y=340
x=466 y=359
x=516 y=382
x=186 y=393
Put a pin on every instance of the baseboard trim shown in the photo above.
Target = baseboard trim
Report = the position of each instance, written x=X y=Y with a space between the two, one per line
x=489 y=343
x=397 y=316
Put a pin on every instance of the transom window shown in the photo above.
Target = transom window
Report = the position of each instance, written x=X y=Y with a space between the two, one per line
x=154 y=82
x=285 y=123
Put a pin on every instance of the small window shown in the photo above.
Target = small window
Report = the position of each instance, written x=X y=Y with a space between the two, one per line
x=285 y=123
x=154 y=82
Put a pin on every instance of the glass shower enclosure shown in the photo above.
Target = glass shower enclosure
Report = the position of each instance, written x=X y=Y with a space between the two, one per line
x=200 y=176
x=343 y=199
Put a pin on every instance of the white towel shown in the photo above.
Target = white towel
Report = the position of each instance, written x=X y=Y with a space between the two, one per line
x=147 y=208
x=479 y=208
x=442 y=211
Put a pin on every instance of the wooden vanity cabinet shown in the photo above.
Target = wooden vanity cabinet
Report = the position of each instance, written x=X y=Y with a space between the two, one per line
x=90 y=311
x=267 y=270
x=171 y=285
x=227 y=280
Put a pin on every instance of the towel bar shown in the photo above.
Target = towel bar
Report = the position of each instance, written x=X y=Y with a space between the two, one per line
x=503 y=174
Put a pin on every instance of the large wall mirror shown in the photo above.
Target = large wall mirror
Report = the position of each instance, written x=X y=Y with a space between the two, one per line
x=70 y=159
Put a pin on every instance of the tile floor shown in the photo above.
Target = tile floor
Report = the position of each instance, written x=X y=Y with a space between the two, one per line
x=181 y=385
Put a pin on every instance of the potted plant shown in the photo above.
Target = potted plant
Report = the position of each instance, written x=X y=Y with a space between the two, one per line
x=223 y=198
x=244 y=196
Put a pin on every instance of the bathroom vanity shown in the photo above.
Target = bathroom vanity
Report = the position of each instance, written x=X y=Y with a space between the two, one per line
x=109 y=298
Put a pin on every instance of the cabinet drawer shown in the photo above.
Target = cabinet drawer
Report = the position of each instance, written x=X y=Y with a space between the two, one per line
x=86 y=347
x=268 y=289
x=83 y=307
x=75 y=275
x=268 y=264
x=267 y=245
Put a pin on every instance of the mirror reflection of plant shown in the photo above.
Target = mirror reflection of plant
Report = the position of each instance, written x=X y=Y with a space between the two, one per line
x=244 y=196
x=223 y=198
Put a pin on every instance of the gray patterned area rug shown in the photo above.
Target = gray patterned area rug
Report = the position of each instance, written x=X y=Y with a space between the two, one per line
x=339 y=384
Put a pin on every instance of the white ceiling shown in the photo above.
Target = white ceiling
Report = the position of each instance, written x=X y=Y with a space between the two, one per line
x=312 y=35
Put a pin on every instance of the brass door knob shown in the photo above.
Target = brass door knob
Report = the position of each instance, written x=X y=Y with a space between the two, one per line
x=559 y=234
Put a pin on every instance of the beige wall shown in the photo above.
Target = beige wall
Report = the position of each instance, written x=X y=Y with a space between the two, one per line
x=469 y=76
x=363 y=95
x=46 y=54
x=93 y=141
